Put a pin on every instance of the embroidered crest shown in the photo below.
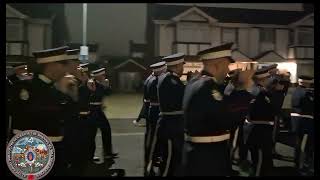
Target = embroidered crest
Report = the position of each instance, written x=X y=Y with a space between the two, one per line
x=24 y=94
x=217 y=95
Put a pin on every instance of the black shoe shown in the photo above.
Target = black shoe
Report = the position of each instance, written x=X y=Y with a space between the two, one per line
x=108 y=163
x=111 y=156
x=234 y=173
x=96 y=159
x=114 y=154
x=117 y=172
x=235 y=162
x=244 y=165
x=277 y=156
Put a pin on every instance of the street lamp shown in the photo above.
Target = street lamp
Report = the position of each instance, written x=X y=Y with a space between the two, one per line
x=84 y=50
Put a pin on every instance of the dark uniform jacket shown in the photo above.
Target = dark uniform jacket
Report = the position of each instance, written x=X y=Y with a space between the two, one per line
x=307 y=103
x=206 y=107
x=146 y=100
x=13 y=78
x=9 y=89
x=170 y=94
x=262 y=108
x=153 y=113
x=299 y=95
x=84 y=96
x=97 y=97
x=207 y=114
x=40 y=103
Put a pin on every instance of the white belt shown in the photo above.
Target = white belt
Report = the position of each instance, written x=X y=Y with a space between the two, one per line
x=95 y=103
x=260 y=122
x=171 y=113
x=84 y=112
x=301 y=115
x=154 y=104
x=207 y=139
x=146 y=100
x=51 y=138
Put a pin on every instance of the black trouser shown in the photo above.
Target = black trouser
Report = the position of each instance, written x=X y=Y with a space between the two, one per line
x=60 y=164
x=92 y=139
x=231 y=147
x=100 y=121
x=276 y=131
x=171 y=152
x=80 y=150
x=206 y=159
x=243 y=147
x=306 y=127
x=239 y=142
x=260 y=145
x=146 y=147
x=171 y=140
x=152 y=150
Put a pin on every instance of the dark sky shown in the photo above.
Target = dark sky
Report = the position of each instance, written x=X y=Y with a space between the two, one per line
x=109 y=25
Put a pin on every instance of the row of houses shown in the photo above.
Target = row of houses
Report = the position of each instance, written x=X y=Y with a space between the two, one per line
x=268 y=36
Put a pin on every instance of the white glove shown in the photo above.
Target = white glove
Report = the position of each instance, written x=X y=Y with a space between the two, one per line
x=105 y=83
x=228 y=90
x=135 y=123
x=91 y=85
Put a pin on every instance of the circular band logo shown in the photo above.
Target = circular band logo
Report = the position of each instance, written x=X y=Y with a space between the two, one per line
x=30 y=154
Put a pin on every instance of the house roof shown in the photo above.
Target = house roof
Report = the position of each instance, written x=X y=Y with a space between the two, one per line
x=114 y=61
x=273 y=56
x=233 y=15
x=34 y=10
x=240 y=56
x=15 y=13
x=54 y=12
x=130 y=61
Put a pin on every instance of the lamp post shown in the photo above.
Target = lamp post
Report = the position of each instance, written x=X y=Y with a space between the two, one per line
x=84 y=50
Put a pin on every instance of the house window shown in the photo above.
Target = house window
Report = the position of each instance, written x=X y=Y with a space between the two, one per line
x=193 y=49
x=182 y=48
x=305 y=36
x=291 y=37
x=267 y=35
x=229 y=35
x=193 y=32
x=189 y=48
x=14 y=30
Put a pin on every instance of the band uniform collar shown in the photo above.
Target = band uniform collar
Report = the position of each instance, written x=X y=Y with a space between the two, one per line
x=175 y=74
x=45 y=79
x=205 y=73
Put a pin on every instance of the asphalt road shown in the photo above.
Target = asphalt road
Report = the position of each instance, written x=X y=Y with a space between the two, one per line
x=127 y=139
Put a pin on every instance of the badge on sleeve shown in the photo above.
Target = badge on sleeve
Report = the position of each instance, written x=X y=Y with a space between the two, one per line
x=24 y=94
x=217 y=95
